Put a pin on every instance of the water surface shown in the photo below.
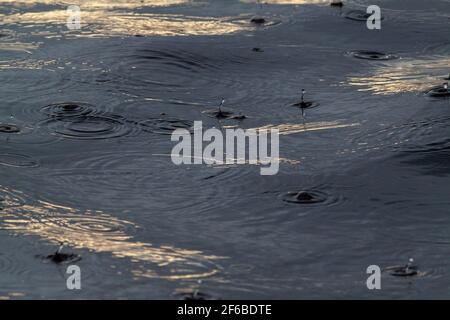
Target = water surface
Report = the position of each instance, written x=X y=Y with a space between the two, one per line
x=86 y=117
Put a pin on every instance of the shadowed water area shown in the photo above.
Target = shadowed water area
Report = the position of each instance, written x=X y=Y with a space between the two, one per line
x=85 y=123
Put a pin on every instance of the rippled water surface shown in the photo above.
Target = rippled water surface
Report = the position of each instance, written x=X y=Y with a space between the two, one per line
x=85 y=123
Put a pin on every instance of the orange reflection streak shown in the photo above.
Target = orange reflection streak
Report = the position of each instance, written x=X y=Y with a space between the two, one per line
x=106 y=23
x=237 y=161
x=100 y=232
x=97 y=4
x=404 y=76
x=18 y=46
x=108 y=18
x=27 y=64
x=284 y=129
x=293 y=128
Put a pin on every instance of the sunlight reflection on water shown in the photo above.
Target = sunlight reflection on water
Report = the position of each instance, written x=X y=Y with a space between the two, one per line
x=105 y=19
x=100 y=232
x=400 y=76
x=116 y=4
x=293 y=128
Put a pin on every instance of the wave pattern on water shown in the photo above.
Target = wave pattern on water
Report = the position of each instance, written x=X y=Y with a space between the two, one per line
x=409 y=75
x=109 y=23
x=294 y=128
x=99 y=232
x=17 y=160
x=354 y=165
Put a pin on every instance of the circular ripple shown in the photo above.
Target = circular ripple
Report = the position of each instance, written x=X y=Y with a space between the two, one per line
x=163 y=70
x=256 y=90
x=61 y=258
x=440 y=49
x=94 y=230
x=29 y=135
x=306 y=104
x=181 y=267
x=442 y=91
x=17 y=131
x=402 y=271
x=90 y=224
x=264 y=22
x=9 y=128
x=192 y=294
x=165 y=126
x=305 y=197
x=144 y=179
x=17 y=160
x=7 y=264
x=372 y=55
x=12 y=262
x=26 y=78
x=310 y=197
x=224 y=114
x=258 y=20
x=68 y=109
x=400 y=136
x=6 y=34
x=89 y=127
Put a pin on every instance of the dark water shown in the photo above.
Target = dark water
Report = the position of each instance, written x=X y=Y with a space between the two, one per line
x=84 y=145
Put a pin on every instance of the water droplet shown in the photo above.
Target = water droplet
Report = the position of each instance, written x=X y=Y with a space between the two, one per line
x=304 y=197
x=258 y=20
x=441 y=91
